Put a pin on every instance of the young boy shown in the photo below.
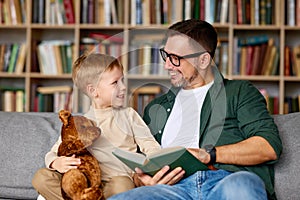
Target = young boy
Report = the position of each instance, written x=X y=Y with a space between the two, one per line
x=100 y=77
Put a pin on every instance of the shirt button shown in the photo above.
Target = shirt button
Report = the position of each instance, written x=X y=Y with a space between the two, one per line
x=159 y=131
x=169 y=109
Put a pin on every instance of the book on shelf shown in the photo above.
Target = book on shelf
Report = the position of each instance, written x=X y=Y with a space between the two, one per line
x=296 y=57
x=272 y=101
x=143 y=95
x=69 y=11
x=8 y=101
x=221 y=56
x=253 y=40
x=290 y=10
x=20 y=63
x=12 y=12
x=53 y=11
x=53 y=98
x=2 y=53
x=270 y=63
x=287 y=61
x=12 y=99
x=13 y=58
x=262 y=12
x=106 y=37
x=53 y=55
x=105 y=12
x=291 y=104
x=257 y=55
x=7 y=56
x=257 y=12
x=16 y=13
x=41 y=11
x=224 y=11
x=20 y=102
x=298 y=12
x=152 y=163
x=169 y=12
x=113 y=11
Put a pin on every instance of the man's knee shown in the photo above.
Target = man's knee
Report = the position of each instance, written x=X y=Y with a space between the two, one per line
x=239 y=185
x=244 y=178
x=243 y=184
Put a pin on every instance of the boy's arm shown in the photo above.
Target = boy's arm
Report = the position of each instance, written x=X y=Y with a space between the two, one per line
x=142 y=134
x=52 y=154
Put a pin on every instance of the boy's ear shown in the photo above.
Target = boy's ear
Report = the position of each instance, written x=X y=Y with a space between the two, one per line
x=91 y=90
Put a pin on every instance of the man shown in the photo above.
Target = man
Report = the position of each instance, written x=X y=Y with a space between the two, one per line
x=225 y=124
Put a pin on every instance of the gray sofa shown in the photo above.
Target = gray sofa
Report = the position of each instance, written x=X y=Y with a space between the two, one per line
x=26 y=137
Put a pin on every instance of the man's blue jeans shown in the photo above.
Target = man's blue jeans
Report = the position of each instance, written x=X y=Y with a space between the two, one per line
x=204 y=185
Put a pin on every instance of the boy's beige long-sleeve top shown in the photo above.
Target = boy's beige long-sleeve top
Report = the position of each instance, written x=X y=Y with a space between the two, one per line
x=120 y=128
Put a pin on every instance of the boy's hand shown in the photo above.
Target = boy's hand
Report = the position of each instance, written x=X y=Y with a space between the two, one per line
x=63 y=164
x=161 y=177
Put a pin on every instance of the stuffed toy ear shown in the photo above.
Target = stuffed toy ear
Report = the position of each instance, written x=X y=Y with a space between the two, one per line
x=64 y=116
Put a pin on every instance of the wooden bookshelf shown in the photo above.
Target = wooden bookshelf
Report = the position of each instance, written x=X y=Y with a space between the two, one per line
x=143 y=36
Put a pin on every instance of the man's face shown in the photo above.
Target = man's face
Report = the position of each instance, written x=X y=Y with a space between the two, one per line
x=186 y=74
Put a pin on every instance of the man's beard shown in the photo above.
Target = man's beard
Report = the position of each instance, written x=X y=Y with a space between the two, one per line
x=185 y=81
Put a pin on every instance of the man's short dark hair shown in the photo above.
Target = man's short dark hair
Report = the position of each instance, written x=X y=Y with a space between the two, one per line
x=198 y=30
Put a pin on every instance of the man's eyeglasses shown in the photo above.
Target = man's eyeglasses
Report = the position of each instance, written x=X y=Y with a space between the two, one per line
x=175 y=59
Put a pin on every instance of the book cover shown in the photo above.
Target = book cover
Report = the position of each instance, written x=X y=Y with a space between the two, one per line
x=13 y=58
x=20 y=63
x=173 y=157
x=2 y=52
x=298 y=12
x=256 y=56
x=69 y=11
x=224 y=12
x=296 y=56
x=268 y=55
x=269 y=65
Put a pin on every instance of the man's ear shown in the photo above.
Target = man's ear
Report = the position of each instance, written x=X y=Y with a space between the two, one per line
x=204 y=60
x=91 y=90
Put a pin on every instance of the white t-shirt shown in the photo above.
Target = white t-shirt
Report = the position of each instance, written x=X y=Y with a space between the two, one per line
x=183 y=125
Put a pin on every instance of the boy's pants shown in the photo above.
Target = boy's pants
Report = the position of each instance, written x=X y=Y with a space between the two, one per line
x=47 y=183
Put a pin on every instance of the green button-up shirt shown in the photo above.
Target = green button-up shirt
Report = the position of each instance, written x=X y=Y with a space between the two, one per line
x=232 y=111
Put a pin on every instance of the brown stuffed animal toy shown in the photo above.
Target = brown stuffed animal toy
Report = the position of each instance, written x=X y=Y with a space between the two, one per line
x=77 y=134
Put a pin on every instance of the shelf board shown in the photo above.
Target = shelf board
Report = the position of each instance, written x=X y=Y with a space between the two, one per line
x=292 y=78
x=256 y=27
x=256 y=78
x=12 y=75
x=13 y=26
x=52 y=26
x=44 y=76
x=147 y=77
x=102 y=26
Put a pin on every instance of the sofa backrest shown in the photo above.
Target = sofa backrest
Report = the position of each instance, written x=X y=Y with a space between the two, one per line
x=287 y=170
x=25 y=138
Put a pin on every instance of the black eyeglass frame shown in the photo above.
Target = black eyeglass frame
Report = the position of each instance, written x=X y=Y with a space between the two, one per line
x=168 y=55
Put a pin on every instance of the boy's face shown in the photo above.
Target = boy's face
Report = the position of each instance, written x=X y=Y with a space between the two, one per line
x=110 y=89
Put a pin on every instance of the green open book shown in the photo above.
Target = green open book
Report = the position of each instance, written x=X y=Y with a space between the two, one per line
x=172 y=156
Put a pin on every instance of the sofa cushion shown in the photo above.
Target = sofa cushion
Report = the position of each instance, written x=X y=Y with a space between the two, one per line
x=25 y=138
x=287 y=179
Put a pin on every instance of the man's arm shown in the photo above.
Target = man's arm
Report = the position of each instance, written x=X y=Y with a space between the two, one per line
x=252 y=151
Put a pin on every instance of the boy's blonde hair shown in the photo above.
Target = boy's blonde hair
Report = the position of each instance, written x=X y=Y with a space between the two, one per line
x=88 y=68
